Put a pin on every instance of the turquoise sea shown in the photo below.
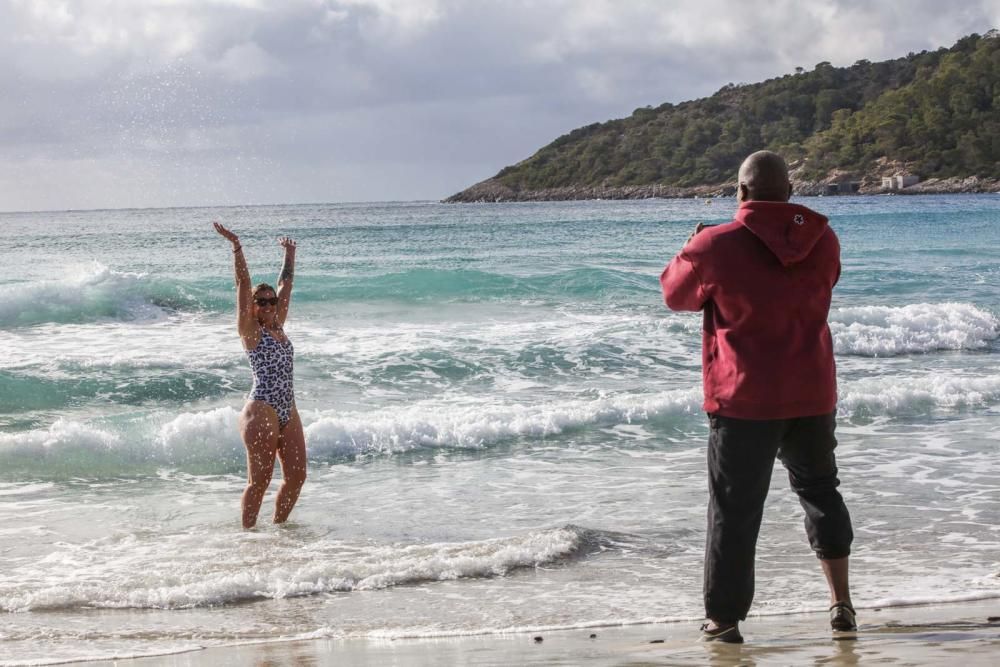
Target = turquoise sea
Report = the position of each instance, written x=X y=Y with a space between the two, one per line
x=503 y=422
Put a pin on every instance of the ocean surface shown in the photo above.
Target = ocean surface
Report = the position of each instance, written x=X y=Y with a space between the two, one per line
x=503 y=422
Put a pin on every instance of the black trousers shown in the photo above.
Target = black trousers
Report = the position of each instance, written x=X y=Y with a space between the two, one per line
x=741 y=455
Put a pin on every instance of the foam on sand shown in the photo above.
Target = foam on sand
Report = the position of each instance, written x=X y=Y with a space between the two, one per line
x=196 y=569
x=938 y=635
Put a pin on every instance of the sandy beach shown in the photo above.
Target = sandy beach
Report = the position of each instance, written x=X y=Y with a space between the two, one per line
x=923 y=635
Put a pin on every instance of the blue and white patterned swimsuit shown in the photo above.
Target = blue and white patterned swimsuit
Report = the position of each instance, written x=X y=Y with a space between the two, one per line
x=271 y=362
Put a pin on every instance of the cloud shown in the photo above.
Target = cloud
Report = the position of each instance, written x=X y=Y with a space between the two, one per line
x=169 y=102
x=246 y=62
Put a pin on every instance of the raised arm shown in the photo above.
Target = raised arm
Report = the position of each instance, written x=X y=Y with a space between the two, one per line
x=682 y=287
x=244 y=299
x=285 y=279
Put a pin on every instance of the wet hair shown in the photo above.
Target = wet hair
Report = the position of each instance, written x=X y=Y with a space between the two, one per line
x=260 y=287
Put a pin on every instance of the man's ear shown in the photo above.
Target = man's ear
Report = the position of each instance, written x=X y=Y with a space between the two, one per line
x=789 y=191
x=742 y=192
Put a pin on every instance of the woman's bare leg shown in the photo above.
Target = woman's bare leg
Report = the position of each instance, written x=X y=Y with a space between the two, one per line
x=292 y=455
x=259 y=429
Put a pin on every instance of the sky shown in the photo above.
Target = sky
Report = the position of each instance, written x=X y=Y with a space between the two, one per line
x=145 y=103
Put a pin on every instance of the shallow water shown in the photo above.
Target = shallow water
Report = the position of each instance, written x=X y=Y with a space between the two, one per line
x=503 y=422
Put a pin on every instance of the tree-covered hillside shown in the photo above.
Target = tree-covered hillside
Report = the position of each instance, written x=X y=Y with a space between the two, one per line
x=936 y=114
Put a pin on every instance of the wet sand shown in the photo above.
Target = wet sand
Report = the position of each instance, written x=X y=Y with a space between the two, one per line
x=927 y=635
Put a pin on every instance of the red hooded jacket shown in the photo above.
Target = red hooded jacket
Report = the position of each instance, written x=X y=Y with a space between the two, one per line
x=764 y=282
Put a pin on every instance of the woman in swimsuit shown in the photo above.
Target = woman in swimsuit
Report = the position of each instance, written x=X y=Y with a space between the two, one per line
x=269 y=424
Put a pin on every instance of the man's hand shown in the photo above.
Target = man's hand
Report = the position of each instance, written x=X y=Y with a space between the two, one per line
x=701 y=226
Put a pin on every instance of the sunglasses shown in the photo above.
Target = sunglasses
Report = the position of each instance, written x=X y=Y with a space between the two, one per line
x=264 y=301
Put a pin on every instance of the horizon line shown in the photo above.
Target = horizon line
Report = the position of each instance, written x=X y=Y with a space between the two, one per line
x=192 y=206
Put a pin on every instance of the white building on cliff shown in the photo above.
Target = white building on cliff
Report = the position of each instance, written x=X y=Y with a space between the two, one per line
x=899 y=181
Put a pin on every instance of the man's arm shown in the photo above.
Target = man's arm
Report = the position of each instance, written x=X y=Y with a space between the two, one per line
x=682 y=288
x=836 y=244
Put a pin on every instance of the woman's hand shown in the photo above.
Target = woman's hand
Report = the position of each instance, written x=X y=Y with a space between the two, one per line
x=232 y=238
x=286 y=243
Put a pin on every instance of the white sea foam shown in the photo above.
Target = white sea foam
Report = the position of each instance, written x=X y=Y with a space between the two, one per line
x=427 y=424
x=478 y=425
x=481 y=339
x=211 y=437
x=923 y=327
x=85 y=293
x=80 y=449
x=187 y=343
x=918 y=395
x=21 y=489
x=200 y=436
x=63 y=437
x=200 y=569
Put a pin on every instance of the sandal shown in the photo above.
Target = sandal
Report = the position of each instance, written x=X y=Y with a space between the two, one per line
x=728 y=634
x=842 y=617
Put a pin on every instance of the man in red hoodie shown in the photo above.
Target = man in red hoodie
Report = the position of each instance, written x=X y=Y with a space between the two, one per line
x=764 y=283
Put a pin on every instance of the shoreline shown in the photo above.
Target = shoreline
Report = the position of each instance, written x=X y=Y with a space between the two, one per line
x=492 y=191
x=938 y=633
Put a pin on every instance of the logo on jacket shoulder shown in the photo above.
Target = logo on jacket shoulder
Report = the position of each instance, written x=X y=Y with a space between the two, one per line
x=799 y=219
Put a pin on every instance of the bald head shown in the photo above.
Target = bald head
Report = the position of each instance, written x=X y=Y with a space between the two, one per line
x=764 y=176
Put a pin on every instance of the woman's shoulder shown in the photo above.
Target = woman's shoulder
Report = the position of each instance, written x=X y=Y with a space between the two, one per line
x=251 y=338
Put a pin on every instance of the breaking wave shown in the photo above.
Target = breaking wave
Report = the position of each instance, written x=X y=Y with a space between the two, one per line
x=96 y=292
x=208 y=441
x=156 y=571
x=883 y=331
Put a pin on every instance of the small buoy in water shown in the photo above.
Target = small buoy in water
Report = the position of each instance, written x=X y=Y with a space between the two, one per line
x=538 y=639
x=593 y=635
x=708 y=201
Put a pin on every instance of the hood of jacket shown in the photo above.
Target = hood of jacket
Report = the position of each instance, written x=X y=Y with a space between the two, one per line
x=790 y=231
